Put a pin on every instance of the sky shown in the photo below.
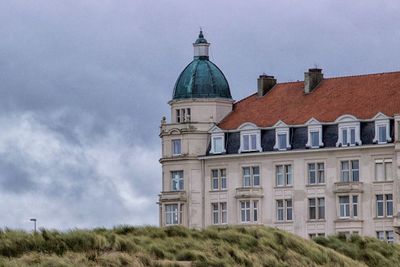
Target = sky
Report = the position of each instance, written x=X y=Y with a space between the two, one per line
x=84 y=85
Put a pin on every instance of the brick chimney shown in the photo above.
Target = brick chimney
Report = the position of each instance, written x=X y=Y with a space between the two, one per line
x=311 y=79
x=265 y=83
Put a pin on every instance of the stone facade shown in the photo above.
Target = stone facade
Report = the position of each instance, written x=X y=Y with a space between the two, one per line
x=332 y=188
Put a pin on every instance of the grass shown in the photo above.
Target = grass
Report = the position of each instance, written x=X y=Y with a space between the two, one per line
x=179 y=246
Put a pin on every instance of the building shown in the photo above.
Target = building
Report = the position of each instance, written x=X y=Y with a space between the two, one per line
x=313 y=157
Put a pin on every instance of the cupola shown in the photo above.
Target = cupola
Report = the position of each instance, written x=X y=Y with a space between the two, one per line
x=201 y=78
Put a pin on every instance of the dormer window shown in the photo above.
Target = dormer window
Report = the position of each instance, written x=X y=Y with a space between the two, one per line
x=382 y=126
x=250 y=139
x=314 y=134
x=281 y=136
x=217 y=141
x=349 y=131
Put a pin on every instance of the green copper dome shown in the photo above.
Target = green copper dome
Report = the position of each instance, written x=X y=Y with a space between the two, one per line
x=201 y=78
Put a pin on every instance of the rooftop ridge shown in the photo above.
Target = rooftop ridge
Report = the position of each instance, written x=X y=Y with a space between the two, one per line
x=343 y=77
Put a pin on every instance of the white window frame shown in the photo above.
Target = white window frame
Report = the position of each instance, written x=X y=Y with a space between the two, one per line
x=181 y=178
x=382 y=123
x=252 y=210
x=351 y=206
x=175 y=213
x=280 y=129
x=219 y=179
x=348 y=122
x=384 y=162
x=213 y=144
x=317 y=171
x=285 y=175
x=350 y=171
x=249 y=129
x=314 y=126
x=284 y=209
x=251 y=176
x=384 y=203
x=219 y=216
x=173 y=147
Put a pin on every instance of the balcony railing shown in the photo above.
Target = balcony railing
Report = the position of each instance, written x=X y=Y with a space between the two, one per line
x=348 y=187
x=249 y=192
x=170 y=196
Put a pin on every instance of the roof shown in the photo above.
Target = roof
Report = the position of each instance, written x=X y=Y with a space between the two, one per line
x=201 y=79
x=362 y=96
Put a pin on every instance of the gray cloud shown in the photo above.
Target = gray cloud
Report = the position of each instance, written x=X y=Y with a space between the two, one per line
x=83 y=85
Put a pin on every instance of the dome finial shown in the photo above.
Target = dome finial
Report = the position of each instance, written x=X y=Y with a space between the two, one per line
x=201 y=46
x=201 y=33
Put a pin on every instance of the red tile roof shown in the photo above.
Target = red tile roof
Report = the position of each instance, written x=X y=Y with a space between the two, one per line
x=362 y=96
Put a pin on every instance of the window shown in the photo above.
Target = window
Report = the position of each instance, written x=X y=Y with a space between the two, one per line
x=176 y=147
x=282 y=137
x=316 y=208
x=217 y=143
x=349 y=134
x=219 y=213
x=249 y=142
x=176 y=180
x=172 y=214
x=387 y=236
x=316 y=173
x=344 y=206
x=384 y=205
x=284 y=210
x=383 y=170
x=348 y=206
x=314 y=134
x=183 y=115
x=245 y=211
x=284 y=176
x=218 y=179
x=314 y=235
x=282 y=145
x=382 y=132
x=249 y=211
x=349 y=171
x=251 y=176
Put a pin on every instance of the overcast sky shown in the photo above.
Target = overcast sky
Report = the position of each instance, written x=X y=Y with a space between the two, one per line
x=84 y=85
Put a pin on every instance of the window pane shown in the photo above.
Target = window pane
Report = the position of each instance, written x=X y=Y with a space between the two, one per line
x=289 y=176
x=246 y=177
x=176 y=180
x=256 y=176
x=380 y=235
x=382 y=134
x=352 y=136
x=218 y=147
x=311 y=173
x=253 y=142
x=321 y=208
x=224 y=213
x=279 y=175
x=344 y=171
x=255 y=211
x=321 y=173
x=315 y=139
x=389 y=205
x=379 y=172
x=355 y=206
x=289 y=210
x=282 y=141
x=355 y=170
x=223 y=178
x=390 y=236
x=388 y=168
x=312 y=209
x=344 y=136
x=246 y=142
x=176 y=147
x=215 y=212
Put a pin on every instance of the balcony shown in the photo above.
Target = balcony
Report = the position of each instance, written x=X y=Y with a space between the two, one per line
x=348 y=187
x=172 y=196
x=249 y=192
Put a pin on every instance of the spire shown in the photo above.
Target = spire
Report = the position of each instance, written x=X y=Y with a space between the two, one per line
x=201 y=47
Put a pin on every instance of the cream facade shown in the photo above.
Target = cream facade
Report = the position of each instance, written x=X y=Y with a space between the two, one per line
x=349 y=187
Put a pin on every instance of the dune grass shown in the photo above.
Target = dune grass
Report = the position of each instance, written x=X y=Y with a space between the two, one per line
x=179 y=246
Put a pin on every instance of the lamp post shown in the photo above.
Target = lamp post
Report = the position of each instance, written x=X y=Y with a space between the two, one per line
x=34 y=224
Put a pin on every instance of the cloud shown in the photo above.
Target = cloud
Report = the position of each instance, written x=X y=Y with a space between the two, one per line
x=90 y=179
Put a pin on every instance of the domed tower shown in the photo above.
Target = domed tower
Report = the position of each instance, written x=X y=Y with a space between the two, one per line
x=201 y=98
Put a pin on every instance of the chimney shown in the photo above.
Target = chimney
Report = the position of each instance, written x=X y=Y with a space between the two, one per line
x=311 y=79
x=265 y=83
